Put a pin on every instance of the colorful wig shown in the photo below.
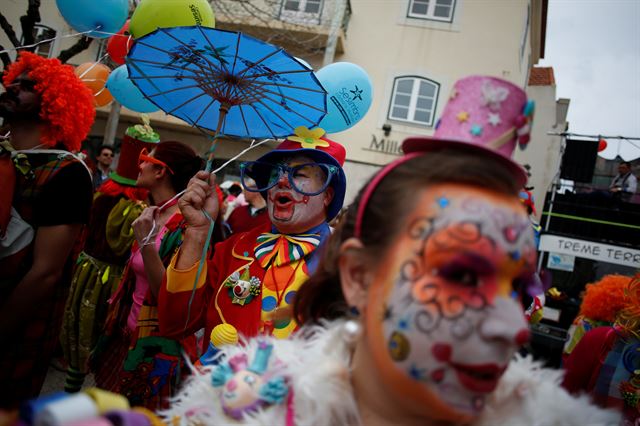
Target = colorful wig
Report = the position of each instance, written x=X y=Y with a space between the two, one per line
x=605 y=298
x=67 y=105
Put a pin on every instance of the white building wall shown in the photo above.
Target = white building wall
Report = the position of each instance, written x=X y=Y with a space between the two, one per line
x=543 y=154
x=486 y=37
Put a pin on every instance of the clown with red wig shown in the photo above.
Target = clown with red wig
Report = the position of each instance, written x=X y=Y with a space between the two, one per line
x=47 y=113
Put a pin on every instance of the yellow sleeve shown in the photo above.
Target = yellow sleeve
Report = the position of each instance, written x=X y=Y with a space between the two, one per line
x=180 y=280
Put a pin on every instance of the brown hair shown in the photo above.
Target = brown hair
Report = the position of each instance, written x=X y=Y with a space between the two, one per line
x=182 y=159
x=321 y=296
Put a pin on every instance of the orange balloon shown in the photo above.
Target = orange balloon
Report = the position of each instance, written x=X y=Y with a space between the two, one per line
x=103 y=97
x=94 y=75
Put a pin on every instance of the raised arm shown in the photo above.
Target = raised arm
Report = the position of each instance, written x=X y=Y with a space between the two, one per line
x=200 y=195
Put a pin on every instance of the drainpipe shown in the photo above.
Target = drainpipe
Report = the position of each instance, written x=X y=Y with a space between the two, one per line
x=334 y=30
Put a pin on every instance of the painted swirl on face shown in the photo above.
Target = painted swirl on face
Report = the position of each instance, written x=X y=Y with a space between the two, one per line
x=464 y=256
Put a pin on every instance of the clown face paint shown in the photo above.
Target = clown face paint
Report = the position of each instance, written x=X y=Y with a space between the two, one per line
x=441 y=321
x=291 y=211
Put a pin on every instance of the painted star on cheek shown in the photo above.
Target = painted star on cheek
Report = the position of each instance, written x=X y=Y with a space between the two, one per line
x=443 y=202
x=515 y=255
x=417 y=373
x=403 y=324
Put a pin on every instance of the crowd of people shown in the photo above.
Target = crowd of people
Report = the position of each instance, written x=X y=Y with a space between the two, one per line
x=405 y=307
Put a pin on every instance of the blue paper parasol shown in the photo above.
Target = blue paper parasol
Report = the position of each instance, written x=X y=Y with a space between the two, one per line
x=226 y=82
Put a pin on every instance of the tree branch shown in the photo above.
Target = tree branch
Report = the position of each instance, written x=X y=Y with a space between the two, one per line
x=8 y=30
x=28 y=21
x=80 y=45
x=6 y=60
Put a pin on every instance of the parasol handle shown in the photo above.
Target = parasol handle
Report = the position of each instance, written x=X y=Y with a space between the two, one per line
x=224 y=108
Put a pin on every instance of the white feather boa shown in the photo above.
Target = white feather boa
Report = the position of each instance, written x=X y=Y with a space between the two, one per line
x=317 y=365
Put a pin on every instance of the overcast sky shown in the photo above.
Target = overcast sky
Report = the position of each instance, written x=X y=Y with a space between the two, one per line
x=594 y=49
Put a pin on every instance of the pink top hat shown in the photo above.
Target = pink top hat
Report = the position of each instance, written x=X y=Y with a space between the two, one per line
x=486 y=114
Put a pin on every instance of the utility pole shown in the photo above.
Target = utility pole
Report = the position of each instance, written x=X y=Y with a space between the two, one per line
x=112 y=124
x=334 y=30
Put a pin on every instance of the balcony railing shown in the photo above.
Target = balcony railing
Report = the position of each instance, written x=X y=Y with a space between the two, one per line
x=300 y=26
x=593 y=214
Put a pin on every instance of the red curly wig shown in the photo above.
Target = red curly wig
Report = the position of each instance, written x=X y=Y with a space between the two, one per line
x=66 y=103
x=605 y=298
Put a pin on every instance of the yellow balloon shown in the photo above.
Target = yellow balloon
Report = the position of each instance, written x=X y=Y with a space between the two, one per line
x=152 y=14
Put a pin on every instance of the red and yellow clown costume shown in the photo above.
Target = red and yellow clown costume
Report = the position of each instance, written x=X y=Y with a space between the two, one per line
x=253 y=277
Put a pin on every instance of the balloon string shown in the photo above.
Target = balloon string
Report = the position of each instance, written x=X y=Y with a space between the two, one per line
x=181 y=193
x=203 y=259
x=103 y=57
x=13 y=49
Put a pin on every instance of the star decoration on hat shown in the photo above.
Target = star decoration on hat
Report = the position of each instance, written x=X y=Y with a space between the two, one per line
x=494 y=119
x=462 y=116
x=476 y=130
x=309 y=138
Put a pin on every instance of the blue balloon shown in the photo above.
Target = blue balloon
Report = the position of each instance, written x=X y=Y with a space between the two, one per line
x=303 y=62
x=106 y=16
x=349 y=93
x=125 y=92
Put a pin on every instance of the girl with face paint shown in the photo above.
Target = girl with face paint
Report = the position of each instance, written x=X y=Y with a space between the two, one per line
x=437 y=291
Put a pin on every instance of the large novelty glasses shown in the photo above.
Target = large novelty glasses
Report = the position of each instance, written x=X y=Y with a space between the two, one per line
x=144 y=156
x=308 y=179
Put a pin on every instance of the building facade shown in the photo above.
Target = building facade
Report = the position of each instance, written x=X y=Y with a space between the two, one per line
x=413 y=51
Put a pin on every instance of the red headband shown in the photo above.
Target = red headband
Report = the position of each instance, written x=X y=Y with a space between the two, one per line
x=368 y=192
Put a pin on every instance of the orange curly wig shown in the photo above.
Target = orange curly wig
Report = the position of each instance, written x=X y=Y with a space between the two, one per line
x=605 y=298
x=66 y=103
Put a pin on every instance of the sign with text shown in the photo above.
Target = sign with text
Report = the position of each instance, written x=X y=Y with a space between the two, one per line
x=386 y=146
x=590 y=250
x=562 y=262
